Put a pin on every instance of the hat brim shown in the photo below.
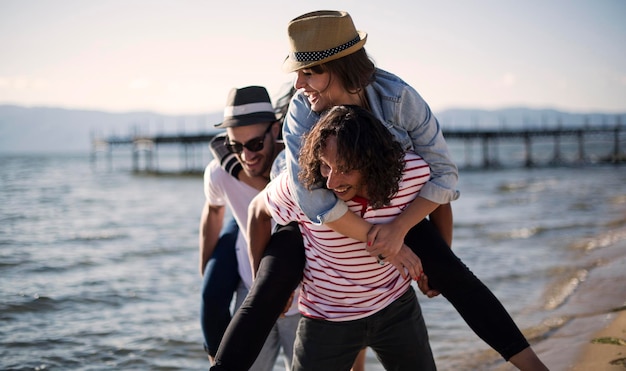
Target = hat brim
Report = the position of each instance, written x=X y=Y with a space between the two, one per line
x=246 y=120
x=291 y=65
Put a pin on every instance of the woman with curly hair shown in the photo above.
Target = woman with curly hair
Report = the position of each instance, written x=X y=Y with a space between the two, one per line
x=350 y=300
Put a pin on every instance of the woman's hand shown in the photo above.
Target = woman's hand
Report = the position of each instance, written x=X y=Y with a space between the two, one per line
x=406 y=262
x=384 y=241
x=288 y=304
x=422 y=284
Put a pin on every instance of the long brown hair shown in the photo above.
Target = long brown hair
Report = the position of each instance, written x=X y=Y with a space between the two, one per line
x=355 y=71
x=363 y=144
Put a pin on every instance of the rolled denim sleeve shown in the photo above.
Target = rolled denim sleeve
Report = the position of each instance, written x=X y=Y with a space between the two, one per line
x=428 y=141
x=405 y=113
x=319 y=204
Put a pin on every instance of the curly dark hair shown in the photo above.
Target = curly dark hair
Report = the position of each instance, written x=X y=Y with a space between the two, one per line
x=363 y=144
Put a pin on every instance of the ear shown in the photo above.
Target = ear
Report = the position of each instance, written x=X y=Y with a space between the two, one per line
x=276 y=128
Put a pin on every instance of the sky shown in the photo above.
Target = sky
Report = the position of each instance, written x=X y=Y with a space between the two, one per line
x=183 y=56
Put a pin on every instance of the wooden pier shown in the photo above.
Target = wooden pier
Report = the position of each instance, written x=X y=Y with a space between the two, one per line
x=589 y=144
x=146 y=148
x=475 y=149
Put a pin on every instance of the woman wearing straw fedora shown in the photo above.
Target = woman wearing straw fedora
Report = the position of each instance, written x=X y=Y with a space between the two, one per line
x=327 y=54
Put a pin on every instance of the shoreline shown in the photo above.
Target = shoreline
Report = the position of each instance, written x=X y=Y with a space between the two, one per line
x=588 y=329
x=607 y=350
x=595 y=311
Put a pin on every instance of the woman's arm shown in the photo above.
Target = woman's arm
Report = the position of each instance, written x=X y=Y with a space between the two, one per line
x=415 y=116
x=319 y=205
x=386 y=239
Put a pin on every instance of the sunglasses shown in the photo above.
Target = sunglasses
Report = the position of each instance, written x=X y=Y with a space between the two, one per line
x=253 y=145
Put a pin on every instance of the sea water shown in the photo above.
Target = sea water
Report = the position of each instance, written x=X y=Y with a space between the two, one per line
x=99 y=266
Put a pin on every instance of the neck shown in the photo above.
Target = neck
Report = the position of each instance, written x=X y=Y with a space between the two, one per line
x=357 y=99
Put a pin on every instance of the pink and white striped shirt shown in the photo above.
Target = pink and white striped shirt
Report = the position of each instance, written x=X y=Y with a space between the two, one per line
x=342 y=282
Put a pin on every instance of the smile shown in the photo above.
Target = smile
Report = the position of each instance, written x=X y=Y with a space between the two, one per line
x=311 y=96
x=252 y=162
x=341 y=190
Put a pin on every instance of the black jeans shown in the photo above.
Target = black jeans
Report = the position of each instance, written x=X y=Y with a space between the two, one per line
x=397 y=334
x=279 y=276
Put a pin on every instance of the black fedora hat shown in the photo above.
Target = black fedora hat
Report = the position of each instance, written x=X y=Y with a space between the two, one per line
x=247 y=106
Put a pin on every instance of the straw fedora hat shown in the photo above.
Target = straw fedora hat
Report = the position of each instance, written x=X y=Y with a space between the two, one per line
x=321 y=36
x=247 y=106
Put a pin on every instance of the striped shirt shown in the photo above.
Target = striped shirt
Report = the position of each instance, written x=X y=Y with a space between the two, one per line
x=342 y=282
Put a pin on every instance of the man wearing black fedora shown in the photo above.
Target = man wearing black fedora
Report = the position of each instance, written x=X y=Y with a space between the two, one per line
x=249 y=148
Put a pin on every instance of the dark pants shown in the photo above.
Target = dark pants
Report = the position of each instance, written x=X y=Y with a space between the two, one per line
x=397 y=334
x=279 y=274
x=219 y=283
x=482 y=311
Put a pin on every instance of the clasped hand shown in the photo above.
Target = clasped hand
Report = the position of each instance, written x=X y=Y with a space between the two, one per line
x=387 y=246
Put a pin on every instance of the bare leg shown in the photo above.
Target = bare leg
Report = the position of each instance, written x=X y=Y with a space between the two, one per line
x=359 y=362
x=527 y=360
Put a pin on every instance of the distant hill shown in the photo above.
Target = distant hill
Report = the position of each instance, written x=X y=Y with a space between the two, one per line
x=47 y=129
x=523 y=118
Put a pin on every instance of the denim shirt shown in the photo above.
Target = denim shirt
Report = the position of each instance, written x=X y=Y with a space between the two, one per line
x=407 y=116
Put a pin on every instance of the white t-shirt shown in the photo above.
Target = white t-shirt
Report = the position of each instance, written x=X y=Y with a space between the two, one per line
x=222 y=189
x=342 y=282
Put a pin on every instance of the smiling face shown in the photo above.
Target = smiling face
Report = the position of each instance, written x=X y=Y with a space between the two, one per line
x=322 y=90
x=255 y=163
x=345 y=184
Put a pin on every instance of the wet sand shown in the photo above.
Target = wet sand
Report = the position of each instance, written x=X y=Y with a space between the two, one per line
x=594 y=334
x=608 y=350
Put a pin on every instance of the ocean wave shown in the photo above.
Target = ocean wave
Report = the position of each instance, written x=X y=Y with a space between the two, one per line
x=618 y=199
x=528 y=232
x=546 y=328
x=561 y=290
x=604 y=239
x=527 y=185
x=91 y=236
x=11 y=218
x=29 y=303
x=515 y=234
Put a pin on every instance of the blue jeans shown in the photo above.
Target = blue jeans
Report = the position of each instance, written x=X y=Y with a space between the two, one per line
x=397 y=334
x=220 y=282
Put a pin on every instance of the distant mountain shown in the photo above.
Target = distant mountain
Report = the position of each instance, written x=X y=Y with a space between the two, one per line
x=509 y=118
x=46 y=129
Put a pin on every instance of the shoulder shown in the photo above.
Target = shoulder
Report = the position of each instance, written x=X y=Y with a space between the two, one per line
x=410 y=156
x=228 y=161
x=390 y=85
x=415 y=165
x=215 y=174
x=279 y=186
x=387 y=78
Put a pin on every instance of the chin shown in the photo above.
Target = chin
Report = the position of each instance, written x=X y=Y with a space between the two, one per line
x=345 y=197
x=318 y=108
